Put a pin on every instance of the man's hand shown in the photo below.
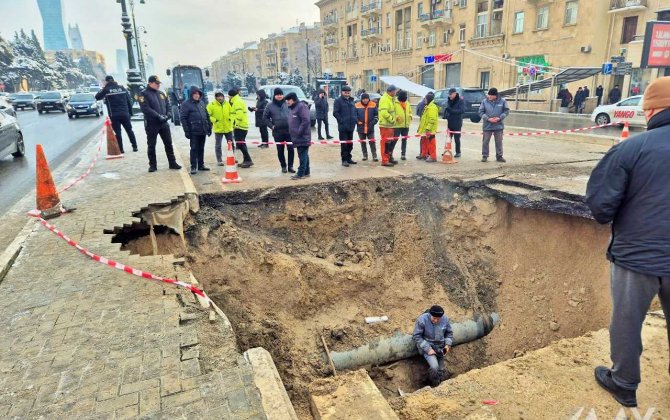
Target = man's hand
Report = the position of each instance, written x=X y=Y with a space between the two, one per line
x=431 y=352
x=447 y=349
x=163 y=118
x=187 y=135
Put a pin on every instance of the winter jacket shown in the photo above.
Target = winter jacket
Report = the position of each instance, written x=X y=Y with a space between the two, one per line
x=321 y=106
x=344 y=112
x=579 y=97
x=194 y=117
x=419 y=107
x=118 y=100
x=275 y=116
x=154 y=105
x=490 y=109
x=614 y=96
x=299 y=124
x=427 y=335
x=403 y=114
x=238 y=113
x=219 y=116
x=261 y=103
x=387 y=111
x=629 y=188
x=367 y=117
x=566 y=97
x=429 y=118
x=600 y=91
x=455 y=109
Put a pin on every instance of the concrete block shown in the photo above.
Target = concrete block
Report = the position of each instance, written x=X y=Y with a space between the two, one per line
x=274 y=398
x=352 y=395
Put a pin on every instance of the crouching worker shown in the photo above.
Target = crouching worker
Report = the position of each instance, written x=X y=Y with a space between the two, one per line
x=433 y=337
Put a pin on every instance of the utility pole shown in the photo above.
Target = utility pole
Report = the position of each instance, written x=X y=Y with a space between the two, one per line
x=132 y=74
x=140 y=57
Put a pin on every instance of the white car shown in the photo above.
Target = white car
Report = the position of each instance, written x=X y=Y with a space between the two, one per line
x=11 y=138
x=629 y=109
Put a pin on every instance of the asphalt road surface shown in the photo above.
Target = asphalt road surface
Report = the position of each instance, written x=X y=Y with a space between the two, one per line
x=61 y=138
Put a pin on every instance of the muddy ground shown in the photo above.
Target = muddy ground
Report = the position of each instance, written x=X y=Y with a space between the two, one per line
x=291 y=265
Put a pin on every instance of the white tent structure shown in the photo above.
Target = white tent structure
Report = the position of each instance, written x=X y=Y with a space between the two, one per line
x=401 y=82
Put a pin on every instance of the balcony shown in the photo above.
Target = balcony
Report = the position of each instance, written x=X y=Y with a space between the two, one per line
x=439 y=17
x=330 y=43
x=627 y=5
x=371 y=34
x=329 y=23
x=487 y=40
x=373 y=8
x=401 y=2
x=270 y=53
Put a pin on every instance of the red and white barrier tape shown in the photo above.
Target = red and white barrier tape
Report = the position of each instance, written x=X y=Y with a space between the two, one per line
x=90 y=167
x=122 y=267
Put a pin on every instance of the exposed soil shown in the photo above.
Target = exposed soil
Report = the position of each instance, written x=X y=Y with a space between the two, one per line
x=289 y=265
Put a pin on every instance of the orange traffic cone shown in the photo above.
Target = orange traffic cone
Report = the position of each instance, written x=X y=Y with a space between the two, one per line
x=447 y=156
x=48 y=201
x=113 y=150
x=231 y=175
x=625 y=133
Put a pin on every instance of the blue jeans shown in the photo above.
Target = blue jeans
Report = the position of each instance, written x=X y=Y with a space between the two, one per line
x=303 y=156
x=435 y=362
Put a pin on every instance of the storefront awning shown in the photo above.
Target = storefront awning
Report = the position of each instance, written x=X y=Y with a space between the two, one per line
x=401 y=82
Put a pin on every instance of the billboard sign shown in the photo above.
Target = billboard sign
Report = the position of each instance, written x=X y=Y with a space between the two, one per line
x=656 y=49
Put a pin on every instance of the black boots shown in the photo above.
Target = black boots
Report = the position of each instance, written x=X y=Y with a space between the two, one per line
x=624 y=397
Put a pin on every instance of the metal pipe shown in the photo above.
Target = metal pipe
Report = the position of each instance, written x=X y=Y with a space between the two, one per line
x=402 y=346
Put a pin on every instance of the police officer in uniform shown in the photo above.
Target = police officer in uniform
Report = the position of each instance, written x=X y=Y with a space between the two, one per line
x=119 y=109
x=154 y=105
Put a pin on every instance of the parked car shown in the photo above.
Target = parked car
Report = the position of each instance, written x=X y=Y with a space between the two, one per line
x=270 y=91
x=244 y=91
x=6 y=106
x=11 y=138
x=23 y=101
x=83 y=104
x=11 y=97
x=50 y=101
x=473 y=97
x=374 y=97
x=629 y=109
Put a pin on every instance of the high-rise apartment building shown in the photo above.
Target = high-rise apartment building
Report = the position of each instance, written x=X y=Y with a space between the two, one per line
x=121 y=61
x=52 y=24
x=76 y=43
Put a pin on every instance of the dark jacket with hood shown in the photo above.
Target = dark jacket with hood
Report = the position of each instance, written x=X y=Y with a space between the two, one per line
x=194 y=117
x=615 y=95
x=275 y=116
x=367 y=116
x=299 y=124
x=261 y=103
x=118 y=100
x=321 y=106
x=345 y=113
x=455 y=109
x=629 y=187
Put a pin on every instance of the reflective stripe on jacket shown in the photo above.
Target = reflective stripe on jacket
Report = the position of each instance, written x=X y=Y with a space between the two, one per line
x=219 y=115
x=367 y=117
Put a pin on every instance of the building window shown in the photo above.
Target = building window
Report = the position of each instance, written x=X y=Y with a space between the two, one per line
x=408 y=39
x=518 y=22
x=388 y=20
x=431 y=39
x=571 y=12
x=484 y=79
x=419 y=10
x=419 y=40
x=398 y=40
x=629 y=29
x=542 y=18
x=445 y=37
x=482 y=21
x=461 y=33
x=463 y=3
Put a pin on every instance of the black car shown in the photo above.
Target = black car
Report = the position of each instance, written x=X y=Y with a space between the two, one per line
x=23 y=101
x=473 y=97
x=83 y=104
x=50 y=101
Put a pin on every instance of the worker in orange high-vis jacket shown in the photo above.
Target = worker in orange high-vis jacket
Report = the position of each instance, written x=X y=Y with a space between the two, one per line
x=388 y=122
x=428 y=128
x=367 y=116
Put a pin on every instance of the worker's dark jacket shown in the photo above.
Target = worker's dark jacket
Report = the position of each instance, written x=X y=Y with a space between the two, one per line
x=367 y=116
x=153 y=104
x=275 y=116
x=455 y=110
x=630 y=188
x=321 y=106
x=345 y=113
x=427 y=335
x=194 y=117
x=118 y=100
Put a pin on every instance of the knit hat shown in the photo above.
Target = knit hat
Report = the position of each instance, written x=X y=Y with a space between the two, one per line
x=232 y=92
x=657 y=95
x=346 y=88
x=278 y=91
x=436 y=311
x=291 y=96
x=391 y=88
x=109 y=78
x=402 y=95
x=452 y=90
x=365 y=96
x=493 y=91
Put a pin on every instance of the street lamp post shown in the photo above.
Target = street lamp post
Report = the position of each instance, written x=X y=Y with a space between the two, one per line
x=132 y=74
x=140 y=56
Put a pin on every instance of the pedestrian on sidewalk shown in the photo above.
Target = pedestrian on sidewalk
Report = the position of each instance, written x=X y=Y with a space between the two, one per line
x=433 y=336
x=240 y=125
x=222 y=126
x=404 y=113
x=154 y=105
x=197 y=126
x=261 y=103
x=276 y=117
x=388 y=122
x=344 y=112
x=629 y=189
x=493 y=112
x=428 y=127
x=367 y=117
x=119 y=109
x=579 y=100
x=455 y=108
x=321 y=106
x=614 y=95
x=599 y=94
x=299 y=125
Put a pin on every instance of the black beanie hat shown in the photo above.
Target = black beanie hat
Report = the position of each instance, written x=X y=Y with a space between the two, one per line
x=365 y=96
x=402 y=95
x=493 y=91
x=436 y=311
x=291 y=96
x=278 y=91
x=232 y=92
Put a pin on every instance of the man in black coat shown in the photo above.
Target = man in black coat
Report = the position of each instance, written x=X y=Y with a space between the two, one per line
x=276 y=116
x=630 y=188
x=344 y=112
x=455 y=108
x=154 y=105
x=119 y=109
x=261 y=103
x=197 y=126
x=614 y=95
x=599 y=94
x=321 y=107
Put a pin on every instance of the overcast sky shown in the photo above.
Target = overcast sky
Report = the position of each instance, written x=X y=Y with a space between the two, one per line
x=185 y=31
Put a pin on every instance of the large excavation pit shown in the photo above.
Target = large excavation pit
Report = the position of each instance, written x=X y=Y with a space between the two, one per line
x=291 y=265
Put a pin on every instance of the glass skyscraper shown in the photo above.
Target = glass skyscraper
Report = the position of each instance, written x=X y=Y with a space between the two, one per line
x=52 y=23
